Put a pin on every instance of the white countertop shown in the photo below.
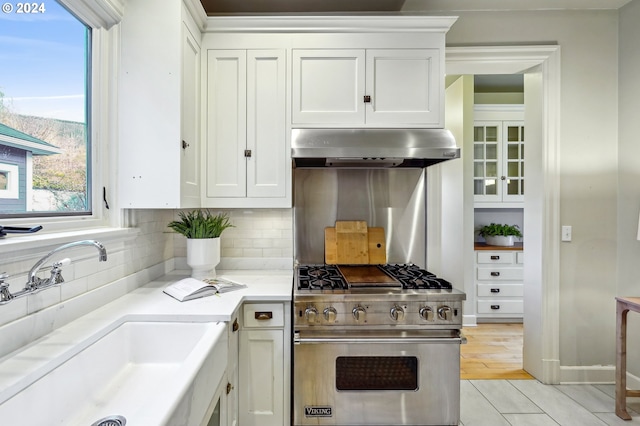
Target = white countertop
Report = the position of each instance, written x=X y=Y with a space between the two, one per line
x=147 y=303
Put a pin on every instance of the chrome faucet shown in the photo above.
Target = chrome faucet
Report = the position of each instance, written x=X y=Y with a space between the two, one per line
x=34 y=283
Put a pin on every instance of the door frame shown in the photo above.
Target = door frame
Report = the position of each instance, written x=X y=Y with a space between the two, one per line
x=541 y=67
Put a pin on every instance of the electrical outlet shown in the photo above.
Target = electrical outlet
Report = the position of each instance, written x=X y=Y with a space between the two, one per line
x=566 y=233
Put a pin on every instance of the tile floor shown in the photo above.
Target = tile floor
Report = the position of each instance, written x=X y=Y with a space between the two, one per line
x=530 y=403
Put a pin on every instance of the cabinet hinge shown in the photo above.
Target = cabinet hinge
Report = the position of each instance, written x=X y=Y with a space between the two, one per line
x=229 y=387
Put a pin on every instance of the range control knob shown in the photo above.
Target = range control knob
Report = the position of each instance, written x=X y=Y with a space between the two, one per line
x=359 y=313
x=444 y=313
x=310 y=314
x=426 y=313
x=397 y=313
x=330 y=314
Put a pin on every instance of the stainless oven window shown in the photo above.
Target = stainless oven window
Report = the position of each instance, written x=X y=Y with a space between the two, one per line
x=362 y=373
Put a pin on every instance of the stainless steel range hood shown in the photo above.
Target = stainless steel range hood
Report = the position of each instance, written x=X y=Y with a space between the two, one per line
x=372 y=148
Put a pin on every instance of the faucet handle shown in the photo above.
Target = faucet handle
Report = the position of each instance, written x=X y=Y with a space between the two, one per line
x=56 y=271
x=5 y=294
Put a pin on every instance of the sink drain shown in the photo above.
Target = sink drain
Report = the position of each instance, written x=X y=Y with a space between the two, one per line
x=111 y=421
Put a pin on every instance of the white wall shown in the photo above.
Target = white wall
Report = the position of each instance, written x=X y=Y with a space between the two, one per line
x=628 y=283
x=588 y=161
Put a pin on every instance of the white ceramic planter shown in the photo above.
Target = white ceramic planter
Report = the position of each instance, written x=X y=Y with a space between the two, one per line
x=499 y=240
x=203 y=255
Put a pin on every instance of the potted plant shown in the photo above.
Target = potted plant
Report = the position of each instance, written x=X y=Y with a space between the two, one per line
x=202 y=229
x=500 y=235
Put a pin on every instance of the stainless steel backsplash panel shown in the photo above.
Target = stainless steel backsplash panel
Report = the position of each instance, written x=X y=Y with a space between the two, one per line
x=390 y=198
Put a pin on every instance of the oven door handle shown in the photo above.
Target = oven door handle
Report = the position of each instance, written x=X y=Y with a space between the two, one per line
x=297 y=340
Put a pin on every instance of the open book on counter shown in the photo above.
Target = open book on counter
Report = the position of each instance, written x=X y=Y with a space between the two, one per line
x=191 y=288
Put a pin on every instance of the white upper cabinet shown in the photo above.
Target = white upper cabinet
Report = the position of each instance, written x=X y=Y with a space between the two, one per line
x=246 y=141
x=367 y=87
x=159 y=107
x=498 y=156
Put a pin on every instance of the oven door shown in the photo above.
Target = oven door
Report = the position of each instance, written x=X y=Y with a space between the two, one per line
x=377 y=378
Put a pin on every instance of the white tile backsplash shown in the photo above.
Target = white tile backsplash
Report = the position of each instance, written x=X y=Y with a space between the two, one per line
x=264 y=233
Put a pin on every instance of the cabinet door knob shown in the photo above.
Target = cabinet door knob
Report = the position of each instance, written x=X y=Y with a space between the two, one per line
x=185 y=145
x=495 y=274
x=235 y=326
x=495 y=257
x=247 y=153
x=367 y=99
x=263 y=316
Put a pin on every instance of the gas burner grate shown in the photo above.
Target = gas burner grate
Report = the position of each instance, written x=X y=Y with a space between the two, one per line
x=320 y=277
x=413 y=277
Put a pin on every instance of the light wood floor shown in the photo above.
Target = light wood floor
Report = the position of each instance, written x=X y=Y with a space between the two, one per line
x=493 y=351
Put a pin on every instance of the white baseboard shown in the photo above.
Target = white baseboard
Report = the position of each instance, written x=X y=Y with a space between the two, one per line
x=469 y=321
x=600 y=374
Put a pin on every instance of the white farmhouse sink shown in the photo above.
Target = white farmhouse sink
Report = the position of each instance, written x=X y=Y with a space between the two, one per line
x=144 y=371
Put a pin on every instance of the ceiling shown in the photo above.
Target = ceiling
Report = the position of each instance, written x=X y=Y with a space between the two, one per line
x=218 y=7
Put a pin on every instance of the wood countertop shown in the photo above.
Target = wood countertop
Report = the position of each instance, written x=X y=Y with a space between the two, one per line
x=485 y=246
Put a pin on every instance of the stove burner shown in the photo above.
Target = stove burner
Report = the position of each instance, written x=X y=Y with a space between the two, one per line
x=412 y=277
x=329 y=277
x=320 y=277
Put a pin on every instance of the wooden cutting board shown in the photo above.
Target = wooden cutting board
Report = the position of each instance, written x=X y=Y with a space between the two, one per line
x=352 y=240
x=377 y=246
x=351 y=243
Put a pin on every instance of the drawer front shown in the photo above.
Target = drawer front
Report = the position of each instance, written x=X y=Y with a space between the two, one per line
x=501 y=307
x=520 y=258
x=500 y=290
x=261 y=315
x=500 y=274
x=496 y=257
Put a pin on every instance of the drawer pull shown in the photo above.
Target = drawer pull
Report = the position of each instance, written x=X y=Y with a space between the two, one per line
x=495 y=257
x=495 y=274
x=495 y=290
x=263 y=316
x=495 y=307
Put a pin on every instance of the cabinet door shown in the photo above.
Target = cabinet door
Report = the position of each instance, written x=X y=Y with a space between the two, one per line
x=266 y=138
x=190 y=144
x=513 y=162
x=226 y=123
x=328 y=86
x=487 y=161
x=232 y=374
x=405 y=87
x=262 y=377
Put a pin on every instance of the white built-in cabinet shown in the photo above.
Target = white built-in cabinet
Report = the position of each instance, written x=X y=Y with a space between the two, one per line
x=367 y=87
x=264 y=364
x=159 y=107
x=498 y=155
x=246 y=151
x=232 y=386
x=499 y=284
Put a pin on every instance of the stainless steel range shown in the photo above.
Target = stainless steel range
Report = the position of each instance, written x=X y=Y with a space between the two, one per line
x=374 y=343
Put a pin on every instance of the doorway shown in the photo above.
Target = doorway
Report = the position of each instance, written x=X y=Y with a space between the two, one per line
x=540 y=66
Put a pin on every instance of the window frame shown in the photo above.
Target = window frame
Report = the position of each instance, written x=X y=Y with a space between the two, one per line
x=99 y=16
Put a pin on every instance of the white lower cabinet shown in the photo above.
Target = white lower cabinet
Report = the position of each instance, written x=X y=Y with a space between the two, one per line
x=264 y=358
x=499 y=284
x=232 y=387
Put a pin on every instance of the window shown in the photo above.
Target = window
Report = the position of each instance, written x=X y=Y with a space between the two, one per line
x=44 y=131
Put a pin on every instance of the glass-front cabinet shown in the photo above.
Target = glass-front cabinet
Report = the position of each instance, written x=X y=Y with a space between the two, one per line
x=498 y=161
